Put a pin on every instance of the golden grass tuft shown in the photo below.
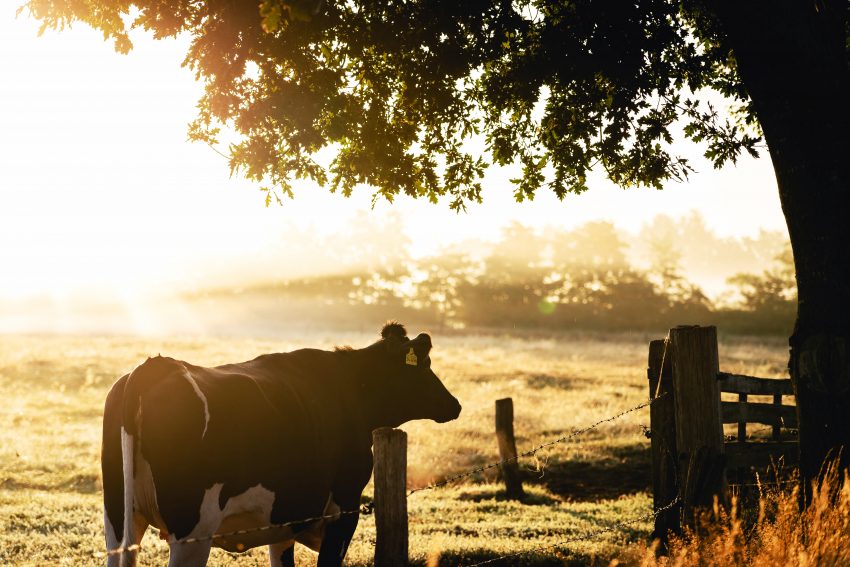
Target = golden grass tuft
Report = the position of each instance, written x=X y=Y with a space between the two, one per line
x=780 y=535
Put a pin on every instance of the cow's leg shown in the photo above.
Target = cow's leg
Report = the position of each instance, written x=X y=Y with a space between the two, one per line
x=193 y=554
x=112 y=542
x=338 y=535
x=124 y=558
x=282 y=554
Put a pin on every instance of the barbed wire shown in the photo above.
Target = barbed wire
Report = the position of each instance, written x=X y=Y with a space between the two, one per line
x=766 y=484
x=364 y=509
x=367 y=509
x=575 y=433
x=584 y=537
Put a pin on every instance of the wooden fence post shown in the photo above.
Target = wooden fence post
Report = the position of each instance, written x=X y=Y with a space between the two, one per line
x=662 y=422
x=391 y=536
x=507 y=448
x=699 y=426
x=776 y=431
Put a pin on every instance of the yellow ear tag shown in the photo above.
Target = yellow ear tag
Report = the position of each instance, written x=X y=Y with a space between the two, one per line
x=411 y=359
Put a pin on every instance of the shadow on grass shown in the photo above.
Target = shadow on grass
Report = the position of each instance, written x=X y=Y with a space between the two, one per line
x=500 y=496
x=627 y=470
x=553 y=558
x=79 y=483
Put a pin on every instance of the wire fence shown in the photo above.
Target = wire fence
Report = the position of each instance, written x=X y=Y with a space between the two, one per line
x=575 y=433
x=367 y=508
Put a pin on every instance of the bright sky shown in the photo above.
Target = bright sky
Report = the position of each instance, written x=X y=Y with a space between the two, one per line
x=100 y=192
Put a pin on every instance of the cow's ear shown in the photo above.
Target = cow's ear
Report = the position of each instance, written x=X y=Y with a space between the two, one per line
x=416 y=350
x=422 y=343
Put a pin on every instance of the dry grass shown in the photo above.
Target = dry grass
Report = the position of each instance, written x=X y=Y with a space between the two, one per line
x=53 y=389
x=779 y=535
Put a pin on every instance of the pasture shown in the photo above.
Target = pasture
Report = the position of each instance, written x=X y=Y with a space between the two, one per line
x=52 y=390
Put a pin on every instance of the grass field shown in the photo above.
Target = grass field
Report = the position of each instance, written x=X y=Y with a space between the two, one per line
x=52 y=390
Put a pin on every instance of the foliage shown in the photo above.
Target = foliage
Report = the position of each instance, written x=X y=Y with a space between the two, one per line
x=437 y=284
x=553 y=279
x=774 y=290
x=406 y=92
x=765 y=302
x=687 y=246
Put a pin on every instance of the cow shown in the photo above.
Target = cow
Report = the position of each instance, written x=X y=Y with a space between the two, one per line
x=237 y=456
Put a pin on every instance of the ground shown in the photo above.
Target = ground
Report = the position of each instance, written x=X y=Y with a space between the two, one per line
x=53 y=387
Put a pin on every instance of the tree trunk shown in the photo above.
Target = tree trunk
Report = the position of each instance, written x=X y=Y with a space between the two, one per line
x=793 y=61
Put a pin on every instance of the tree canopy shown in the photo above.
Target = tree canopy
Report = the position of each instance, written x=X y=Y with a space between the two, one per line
x=407 y=92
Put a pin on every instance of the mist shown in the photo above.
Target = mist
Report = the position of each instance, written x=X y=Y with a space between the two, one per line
x=671 y=271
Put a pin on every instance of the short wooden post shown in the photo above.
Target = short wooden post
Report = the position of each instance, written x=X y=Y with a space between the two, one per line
x=740 y=473
x=662 y=430
x=742 y=425
x=390 y=447
x=776 y=433
x=507 y=448
x=699 y=427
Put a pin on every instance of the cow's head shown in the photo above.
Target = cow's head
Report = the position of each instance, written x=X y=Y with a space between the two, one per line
x=409 y=389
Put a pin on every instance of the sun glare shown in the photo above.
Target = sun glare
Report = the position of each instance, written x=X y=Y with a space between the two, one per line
x=102 y=196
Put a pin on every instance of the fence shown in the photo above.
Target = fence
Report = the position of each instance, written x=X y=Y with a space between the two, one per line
x=690 y=455
x=390 y=445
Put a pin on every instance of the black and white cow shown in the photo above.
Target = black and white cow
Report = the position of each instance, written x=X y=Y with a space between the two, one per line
x=197 y=452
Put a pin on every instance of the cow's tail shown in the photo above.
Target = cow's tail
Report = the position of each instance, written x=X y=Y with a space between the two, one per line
x=128 y=550
x=140 y=380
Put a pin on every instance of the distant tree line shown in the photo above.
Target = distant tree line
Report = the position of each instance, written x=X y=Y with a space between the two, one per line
x=555 y=279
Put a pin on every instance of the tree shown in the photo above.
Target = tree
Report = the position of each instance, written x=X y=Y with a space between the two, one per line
x=436 y=285
x=773 y=290
x=556 y=86
x=595 y=245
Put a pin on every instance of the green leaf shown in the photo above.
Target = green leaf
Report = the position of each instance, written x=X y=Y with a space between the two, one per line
x=270 y=12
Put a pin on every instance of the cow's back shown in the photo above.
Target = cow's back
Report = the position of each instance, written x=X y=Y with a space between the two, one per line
x=216 y=433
